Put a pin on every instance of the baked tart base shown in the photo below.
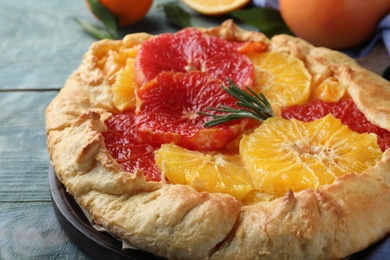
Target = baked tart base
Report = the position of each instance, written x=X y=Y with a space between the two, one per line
x=179 y=222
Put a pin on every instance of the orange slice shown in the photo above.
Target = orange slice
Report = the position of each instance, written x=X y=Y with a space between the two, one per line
x=283 y=155
x=215 y=7
x=116 y=60
x=202 y=171
x=282 y=78
x=124 y=87
x=345 y=110
x=330 y=90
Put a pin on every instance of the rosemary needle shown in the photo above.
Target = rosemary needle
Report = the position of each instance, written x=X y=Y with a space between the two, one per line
x=255 y=106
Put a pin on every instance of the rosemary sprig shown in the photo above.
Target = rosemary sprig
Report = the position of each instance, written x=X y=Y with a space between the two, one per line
x=257 y=106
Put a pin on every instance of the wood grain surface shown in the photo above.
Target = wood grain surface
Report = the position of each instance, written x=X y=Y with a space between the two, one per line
x=40 y=46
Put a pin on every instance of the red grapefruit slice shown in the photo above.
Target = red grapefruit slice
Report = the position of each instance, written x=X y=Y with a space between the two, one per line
x=121 y=140
x=345 y=110
x=169 y=109
x=190 y=50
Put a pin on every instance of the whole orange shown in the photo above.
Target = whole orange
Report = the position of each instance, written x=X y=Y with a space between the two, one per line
x=127 y=11
x=334 y=23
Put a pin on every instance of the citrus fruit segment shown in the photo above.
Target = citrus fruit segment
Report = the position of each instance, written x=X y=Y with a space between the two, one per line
x=124 y=87
x=111 y=56
x=330 y=90
x=122 y=142
x=346 y=110
x=282 y=78
x=215 y=7
x=283 y=155
x=204 y=172
x=168 y=110
x=190 y=50
x=116 y=60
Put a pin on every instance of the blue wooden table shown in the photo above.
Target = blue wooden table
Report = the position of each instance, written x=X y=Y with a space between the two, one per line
x=40 y=46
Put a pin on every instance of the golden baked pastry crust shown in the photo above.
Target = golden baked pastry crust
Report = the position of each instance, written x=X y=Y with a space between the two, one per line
x=178 y=222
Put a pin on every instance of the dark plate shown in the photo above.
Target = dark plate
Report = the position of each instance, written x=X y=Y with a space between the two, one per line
x=100 y=245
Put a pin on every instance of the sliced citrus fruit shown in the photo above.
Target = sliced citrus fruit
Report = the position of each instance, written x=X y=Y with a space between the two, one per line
x=190 y=50
x=111 y=56
x=283 y=155
x=204 y=172
x=251 y=46
x=346 y=110
x=124 y=87
x=330 y=90
x=122 y=142
x=282 y=78
x=116 y=60
x=216 y=7
x=169 y=106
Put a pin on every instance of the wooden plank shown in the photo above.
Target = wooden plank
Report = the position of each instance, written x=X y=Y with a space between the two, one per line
x=28 y=226
x=24 y=158
x=41 y=43
x=31 y=231
x=41 y=47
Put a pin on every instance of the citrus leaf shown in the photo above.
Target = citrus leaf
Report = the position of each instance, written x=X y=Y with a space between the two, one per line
x=268 y=21
x=178 y=16
x=96 y=31
x=105 y=15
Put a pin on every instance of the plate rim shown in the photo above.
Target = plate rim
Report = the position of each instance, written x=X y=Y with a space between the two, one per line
x=96 y=244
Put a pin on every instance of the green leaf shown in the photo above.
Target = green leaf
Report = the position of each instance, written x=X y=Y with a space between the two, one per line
x=178 y=16
x=268 y=21
x=109 y=20
x=96 y=31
